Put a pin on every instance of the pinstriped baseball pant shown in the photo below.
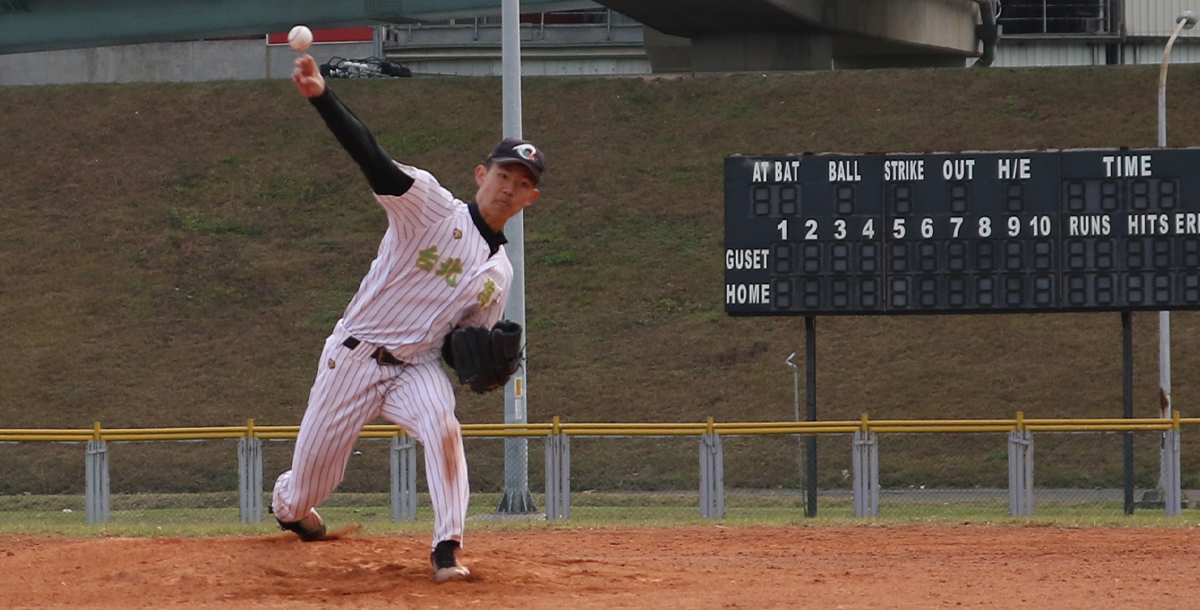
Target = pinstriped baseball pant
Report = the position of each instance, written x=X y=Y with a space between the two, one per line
x=351 y=389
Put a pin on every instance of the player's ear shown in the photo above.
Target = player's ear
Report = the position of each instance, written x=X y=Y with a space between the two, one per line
x=533 y=195
x=480 y=173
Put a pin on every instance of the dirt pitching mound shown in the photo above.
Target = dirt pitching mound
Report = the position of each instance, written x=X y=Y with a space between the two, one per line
x=694 y=567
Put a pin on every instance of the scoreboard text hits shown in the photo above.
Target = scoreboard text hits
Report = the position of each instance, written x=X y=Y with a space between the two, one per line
x=1074 y=230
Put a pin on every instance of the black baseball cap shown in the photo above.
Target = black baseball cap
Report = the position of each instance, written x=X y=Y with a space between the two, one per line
x=514 y=150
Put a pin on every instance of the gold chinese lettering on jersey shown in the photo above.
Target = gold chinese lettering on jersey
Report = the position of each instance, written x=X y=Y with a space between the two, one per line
x=450 y=270
x=427 y=258
x=485 y=296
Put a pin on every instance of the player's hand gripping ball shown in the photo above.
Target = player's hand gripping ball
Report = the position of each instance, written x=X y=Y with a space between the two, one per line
x=300 y=38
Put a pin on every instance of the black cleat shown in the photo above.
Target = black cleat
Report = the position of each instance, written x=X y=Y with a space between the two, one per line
x=309 y=529
x=445 y=562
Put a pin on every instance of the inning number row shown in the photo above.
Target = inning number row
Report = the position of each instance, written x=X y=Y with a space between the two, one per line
x=1038 y=226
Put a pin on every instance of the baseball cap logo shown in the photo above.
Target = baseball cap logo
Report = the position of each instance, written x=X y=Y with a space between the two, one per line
x=526 y=151
x=514 y=150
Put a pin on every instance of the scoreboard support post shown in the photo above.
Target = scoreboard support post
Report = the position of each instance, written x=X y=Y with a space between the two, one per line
x=1127 y=374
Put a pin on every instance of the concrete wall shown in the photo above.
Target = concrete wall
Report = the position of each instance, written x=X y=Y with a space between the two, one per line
x=807 y=34
x=740 y=52
x=196 y=61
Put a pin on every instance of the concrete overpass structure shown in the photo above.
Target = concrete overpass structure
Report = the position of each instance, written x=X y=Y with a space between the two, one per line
x=736 y=35
x=696 y=35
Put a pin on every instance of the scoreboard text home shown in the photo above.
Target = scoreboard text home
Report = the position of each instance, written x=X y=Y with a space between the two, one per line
x=1074 y=230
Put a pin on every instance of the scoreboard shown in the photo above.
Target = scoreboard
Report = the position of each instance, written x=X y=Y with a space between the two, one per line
x=972 y=232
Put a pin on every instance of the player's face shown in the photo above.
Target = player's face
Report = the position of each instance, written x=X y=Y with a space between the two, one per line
x=505 y=189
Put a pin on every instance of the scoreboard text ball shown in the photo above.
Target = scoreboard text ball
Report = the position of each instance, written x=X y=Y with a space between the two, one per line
x=986 y=232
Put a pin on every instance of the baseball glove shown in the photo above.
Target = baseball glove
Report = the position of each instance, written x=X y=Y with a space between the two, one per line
x=484 y=359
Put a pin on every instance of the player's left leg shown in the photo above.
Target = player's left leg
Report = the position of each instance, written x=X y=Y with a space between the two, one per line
x=421 y=400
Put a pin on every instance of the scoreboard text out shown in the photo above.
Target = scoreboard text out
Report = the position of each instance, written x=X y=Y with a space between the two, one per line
x=1075 y=230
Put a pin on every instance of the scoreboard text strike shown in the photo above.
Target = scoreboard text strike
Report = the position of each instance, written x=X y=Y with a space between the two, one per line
x=1074 y=230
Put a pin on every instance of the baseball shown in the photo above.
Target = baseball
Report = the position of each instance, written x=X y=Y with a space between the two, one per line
x=300 y=38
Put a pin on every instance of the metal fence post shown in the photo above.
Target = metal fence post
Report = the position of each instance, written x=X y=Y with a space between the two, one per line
x=564 y=471
x=1028 y=479
x=1172 y=482
x=404 y=479
x=705 y=480
x=98 y=497
x=250 y=479
x=558 y=474
x=875 y=477
x=712 y=476
x=865 y=461
x=552 y=477
x=1020 y=473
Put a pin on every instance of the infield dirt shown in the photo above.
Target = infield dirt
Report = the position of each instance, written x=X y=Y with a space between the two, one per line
x=866 y=566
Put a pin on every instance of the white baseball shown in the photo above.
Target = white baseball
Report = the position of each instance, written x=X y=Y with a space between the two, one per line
x=300 y=38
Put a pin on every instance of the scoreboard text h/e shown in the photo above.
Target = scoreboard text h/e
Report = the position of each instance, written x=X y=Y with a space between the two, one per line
x=972 y=232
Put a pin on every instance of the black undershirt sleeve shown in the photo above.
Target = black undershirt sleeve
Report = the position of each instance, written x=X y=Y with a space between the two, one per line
x=381 y=172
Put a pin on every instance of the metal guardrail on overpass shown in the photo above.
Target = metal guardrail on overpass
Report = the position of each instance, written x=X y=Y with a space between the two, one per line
x=592 y=41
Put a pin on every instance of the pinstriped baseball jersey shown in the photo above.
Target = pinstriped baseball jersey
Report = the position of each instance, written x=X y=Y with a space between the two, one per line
x=433 y=272
x=440 y=265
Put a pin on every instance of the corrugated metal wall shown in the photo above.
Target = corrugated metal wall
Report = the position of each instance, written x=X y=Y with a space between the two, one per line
x=1020 y=54
x=1011 y=53
x=1152 y=52
x=1143 y=19
x=1157 y=18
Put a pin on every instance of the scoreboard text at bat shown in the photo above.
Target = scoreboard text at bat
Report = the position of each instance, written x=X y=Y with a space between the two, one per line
x=1075 y=230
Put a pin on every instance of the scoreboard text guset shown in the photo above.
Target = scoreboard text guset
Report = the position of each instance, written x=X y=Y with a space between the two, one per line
x=1072 y=230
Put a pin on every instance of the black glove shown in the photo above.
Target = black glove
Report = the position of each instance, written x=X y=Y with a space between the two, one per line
x=484 y=359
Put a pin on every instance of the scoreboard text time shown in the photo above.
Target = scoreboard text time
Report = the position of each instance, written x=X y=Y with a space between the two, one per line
x=1076 y=230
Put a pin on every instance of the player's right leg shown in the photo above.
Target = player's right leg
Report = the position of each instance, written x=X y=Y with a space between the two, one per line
x=344 y=397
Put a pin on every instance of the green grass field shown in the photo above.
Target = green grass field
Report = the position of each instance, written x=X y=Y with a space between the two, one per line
x=203 y=515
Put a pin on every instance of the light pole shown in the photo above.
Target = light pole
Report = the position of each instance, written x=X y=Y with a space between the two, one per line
x=516 y=498
x=1186 y=20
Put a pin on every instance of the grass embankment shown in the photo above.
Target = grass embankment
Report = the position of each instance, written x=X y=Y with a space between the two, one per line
x=174 y=255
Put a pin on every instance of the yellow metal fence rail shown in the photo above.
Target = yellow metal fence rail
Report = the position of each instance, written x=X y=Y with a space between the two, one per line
x=865 y=424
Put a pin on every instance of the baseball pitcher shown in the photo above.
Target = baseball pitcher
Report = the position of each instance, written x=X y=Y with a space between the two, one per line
x=437 y=287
